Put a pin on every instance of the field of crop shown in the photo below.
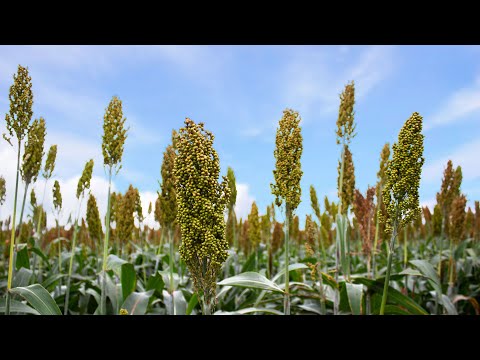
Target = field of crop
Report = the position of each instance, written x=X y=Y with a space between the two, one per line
x=373 y=252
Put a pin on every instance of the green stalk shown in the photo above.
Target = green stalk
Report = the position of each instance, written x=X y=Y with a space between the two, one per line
x=39 y=221
x=171 y=261
x=336 y=300
x=72 y=255
x=451 y=272
x=12 y=237
x=287 y=274
x=103 y=300
x=405 y=250
x=389 y=268
x=22 y=210
x=440 y=257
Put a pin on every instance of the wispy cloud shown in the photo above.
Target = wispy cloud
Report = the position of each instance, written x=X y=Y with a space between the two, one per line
x=457 y=107
x=244 y=201
x=466 y=156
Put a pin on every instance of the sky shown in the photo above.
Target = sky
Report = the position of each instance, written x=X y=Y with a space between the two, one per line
x=239 y=92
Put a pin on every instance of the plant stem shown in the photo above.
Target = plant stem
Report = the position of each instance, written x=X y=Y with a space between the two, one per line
x=12 y=237
x=337 y=250
x=103 y=300
x=389 y=268
x=39 y=221
x=440 y=258
x=451 y=282
x=287 y=274
x=171 y=261
x=72 y=255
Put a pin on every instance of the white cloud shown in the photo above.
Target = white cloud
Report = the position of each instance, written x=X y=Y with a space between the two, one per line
x=459 y=105
x=466 y=156
x=312 y=81
x=244 y=201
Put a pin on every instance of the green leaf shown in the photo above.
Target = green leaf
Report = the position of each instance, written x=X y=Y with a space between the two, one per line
x=251 y=280
x=22 y=258
x=448 y=305
x=428 y=271
x=39 y=252
x=355 y=297
x=17 y=307
x=392 y=310
x=249 y=265
x=51 y=280
x=290 y=268
x=411 y=272
x=311 y=307
x=179 y=303
x=137 y=302
x=125 y=271
x=39 y=298
x=254 y=310
x=341 y=238
x=22 y=277
x=394 y=296
x=192 y=303
x=155 y=282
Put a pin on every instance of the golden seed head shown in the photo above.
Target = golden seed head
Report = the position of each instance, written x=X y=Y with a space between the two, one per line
x=348 y=187
x=167 y=211
x=84 y=181
x=201 y=202
x=21 y=103
x=345 y=122
x=288 y=151
x=254 y=226
x=32 y=157
x=57 y=196
x=93 y=219
x=314 y=202
x=123 y=312
x=114 y=133
x=3 y=190
x=50 y=163
x=403 y=173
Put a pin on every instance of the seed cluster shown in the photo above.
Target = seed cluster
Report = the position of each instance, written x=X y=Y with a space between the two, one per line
x=93 y=219
x=364 y=210
x=21 y=103
x=457 y=218
x=32 y=157
x=201 y=202
x=254 y=234
x=125 y=208
x=167 y=195
x=3 y=190
x=114 y=133
x=345 y=122
x=288 y=151
x=50 y=163
x=57 y=196
x=403 y=172
x=84 y=181
x=314 y=202
x=346 y=197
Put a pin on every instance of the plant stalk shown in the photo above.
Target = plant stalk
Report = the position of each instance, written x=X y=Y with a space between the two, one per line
x=389 y=268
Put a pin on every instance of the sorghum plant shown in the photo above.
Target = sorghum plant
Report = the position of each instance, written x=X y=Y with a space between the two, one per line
x=287 y=175
x=201 y=202
x=400 y=193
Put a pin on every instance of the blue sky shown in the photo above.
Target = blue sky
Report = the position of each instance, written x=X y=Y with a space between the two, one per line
x=239 y=92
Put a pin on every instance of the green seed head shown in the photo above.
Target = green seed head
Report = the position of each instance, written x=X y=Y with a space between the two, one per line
x=32 y=157
x=167 y=195
x=457 y=218
x=346 y=197
x=314 y=202
x=114 y=133
x=233 y=188
x=138 y=206
x=437 y=220
x=288 y=151
x=149 y=208
x=84 y=181
x=345 y=122
x=57 y=196
x=50 y=163
x=126 y=206
x=33 y=199
x=450 y=188
x=3 y=190
x=201 y=202
x=93 y=219
x=21 y=103
x=384 y=156
x=254 y=226
x=123 y=312
x=403 y=173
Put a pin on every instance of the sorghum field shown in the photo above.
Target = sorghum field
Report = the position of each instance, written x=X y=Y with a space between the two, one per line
x=375 y=252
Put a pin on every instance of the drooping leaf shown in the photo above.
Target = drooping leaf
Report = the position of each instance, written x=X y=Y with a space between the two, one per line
x=39 y=298
x=251 y=280
x=125 y=271
x=355 y=297
x=17 y=307
x=22 y=277
x=23 y=260
x=137 y=302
